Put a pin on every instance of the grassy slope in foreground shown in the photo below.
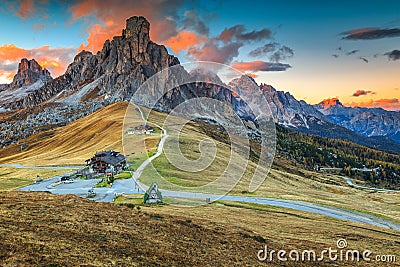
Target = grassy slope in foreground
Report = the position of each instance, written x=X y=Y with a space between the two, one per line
x=41 y=229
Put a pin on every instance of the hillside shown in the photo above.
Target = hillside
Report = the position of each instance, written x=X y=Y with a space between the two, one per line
x=41 y=229
x=74 y=143
x=311 y=152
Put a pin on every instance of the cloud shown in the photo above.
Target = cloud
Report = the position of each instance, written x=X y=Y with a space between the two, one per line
x=193 y=21
x=273 y=51
x=212 y=51
x=224 y=47
x=111 y=18
x=364 y=59
x=55 y=59
x=335 y=55
x=393 y=55
x=183 y=31
x=370 y=33
x=388 y=104
x=238 y=33
x=263 y=50
x=259 y=65
x=183 y=40
x=26 y=9
x=351 y=52
x=8 y=66
x=362 y=92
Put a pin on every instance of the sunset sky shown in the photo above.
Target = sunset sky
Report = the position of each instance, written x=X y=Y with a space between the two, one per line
x=315 y=50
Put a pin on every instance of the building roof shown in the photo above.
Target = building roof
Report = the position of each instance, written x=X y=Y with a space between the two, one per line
x=153 y=188
x=143 y=127
x=110 y=157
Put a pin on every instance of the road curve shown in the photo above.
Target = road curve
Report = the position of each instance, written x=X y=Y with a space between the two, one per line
x=132 y=185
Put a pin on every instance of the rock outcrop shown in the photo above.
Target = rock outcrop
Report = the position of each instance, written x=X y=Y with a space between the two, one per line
x=124 y=63
x=29 y=72
x=30 y=78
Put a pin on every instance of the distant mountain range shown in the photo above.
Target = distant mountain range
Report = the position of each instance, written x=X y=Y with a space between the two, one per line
x=365 y=121
x=125 y=62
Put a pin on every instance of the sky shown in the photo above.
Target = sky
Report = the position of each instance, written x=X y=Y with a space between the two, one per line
x=315 y=50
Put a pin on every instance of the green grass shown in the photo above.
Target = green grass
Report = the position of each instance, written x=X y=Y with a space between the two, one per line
x=12 y=178
x=103 y=184
x=133 y=199
x=123 y=175
x=151 y=153
x=137 y=159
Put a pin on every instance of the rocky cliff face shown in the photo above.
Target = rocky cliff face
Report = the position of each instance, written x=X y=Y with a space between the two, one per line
x=29 y=72
x=329 y=102
x=30 y=78
x=290 y=111
x=124 y=63
x=286 y=110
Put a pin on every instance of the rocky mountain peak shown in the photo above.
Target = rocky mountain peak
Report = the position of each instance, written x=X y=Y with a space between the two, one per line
x=26 y=64
x=137 y=26
x=329 y=102
x=29 y=72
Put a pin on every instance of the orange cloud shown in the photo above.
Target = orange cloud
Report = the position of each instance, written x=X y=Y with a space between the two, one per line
x=362 y=92
x=26 y=9
x=97 y=36
x=184 y=40
x=12 y=52
x=55 y=60
x=388 y=104
x=111 y=17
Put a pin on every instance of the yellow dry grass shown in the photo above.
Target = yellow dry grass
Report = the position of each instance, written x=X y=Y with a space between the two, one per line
x=74 y=143
x=12 y=178
x=40 y=229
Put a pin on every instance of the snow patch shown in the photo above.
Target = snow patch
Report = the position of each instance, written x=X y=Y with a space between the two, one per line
x=77 y=97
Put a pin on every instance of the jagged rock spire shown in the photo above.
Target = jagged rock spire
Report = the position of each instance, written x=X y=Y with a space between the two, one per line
x=29 y=71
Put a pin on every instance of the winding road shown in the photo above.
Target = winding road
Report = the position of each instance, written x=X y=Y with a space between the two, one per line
x=350 y=182
x=132 y=185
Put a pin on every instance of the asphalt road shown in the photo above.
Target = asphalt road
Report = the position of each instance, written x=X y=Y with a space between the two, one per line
x=130 y=186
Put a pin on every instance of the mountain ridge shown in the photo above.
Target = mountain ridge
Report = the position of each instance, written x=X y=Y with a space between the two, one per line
x=370 y=122
x=124 y=63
